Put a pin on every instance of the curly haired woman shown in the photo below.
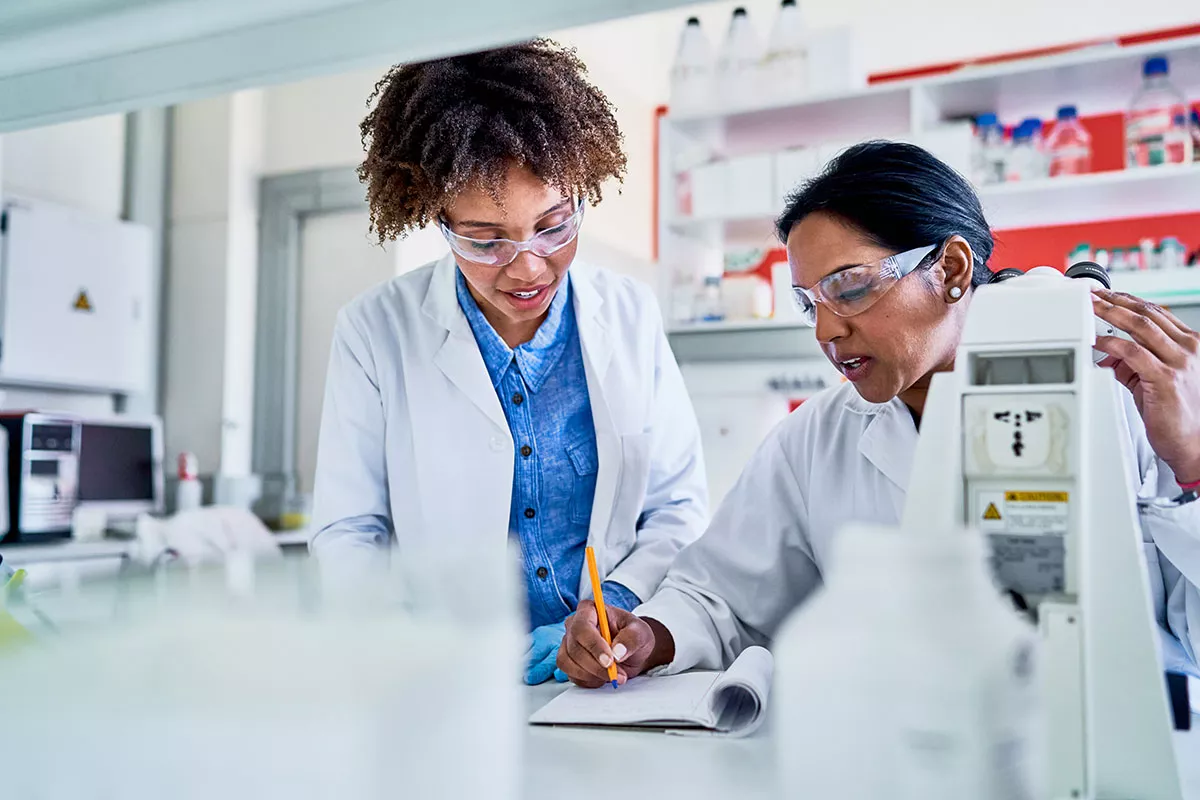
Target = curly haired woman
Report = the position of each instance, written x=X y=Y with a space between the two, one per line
x=507 y=392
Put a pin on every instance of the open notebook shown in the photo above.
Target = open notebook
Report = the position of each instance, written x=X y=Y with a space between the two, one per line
x=732 y=702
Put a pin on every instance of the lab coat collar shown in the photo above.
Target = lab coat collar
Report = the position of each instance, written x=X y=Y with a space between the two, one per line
x=890 y=438
x=458 y=356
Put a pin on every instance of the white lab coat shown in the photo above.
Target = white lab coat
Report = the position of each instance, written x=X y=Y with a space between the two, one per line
x=414 y=447
x=838 y=459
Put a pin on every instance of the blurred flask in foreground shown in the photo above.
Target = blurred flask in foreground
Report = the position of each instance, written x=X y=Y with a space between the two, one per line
x=245 y=682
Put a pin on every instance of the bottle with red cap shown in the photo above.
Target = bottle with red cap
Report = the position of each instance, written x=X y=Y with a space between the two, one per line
x=188 y=492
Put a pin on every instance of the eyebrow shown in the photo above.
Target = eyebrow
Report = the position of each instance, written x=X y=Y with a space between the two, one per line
x=471 y=223
x=845 y=267
x=840 y=269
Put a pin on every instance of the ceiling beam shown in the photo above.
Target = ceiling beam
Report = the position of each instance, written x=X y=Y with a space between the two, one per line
x=349 y=36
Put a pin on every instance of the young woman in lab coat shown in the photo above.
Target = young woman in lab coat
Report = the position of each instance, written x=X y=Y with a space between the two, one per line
x=504 y=392
x=886 y=247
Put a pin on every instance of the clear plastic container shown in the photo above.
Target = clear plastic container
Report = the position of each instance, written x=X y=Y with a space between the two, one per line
x=785 y=66
x=1172 y=254
x=1156 y=125
x=1069 y=145
x=1195 y=135
x=991 y=151
x=1039 y=166
x=692 y=74
x=739 y=74
x=1026 y=160
x=1081 y=252
x=711 y=307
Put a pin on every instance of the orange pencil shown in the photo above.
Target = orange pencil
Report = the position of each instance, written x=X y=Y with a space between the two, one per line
x=598 y=594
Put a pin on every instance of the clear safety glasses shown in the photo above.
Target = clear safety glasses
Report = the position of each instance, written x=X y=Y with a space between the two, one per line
x=502 y=252
x=855 y=289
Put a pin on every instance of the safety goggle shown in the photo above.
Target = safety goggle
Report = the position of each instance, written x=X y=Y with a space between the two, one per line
x=853 y=290
x=502 y=252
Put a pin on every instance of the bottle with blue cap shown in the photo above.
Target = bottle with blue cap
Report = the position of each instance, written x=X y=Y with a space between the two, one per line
x=1157 y=129
x=1026 y=159
x=1069 y=145
x=990 y=152
x=1195 y=135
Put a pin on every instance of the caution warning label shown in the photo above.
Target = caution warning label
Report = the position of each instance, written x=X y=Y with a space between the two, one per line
x=82 y=302
x=1023 y=513
x=1036 y=497
x=1027 y=530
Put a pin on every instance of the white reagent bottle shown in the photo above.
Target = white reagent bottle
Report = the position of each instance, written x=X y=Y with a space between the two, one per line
x=908 y=676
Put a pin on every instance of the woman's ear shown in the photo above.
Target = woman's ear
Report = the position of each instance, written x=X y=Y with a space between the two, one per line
x=958 y=262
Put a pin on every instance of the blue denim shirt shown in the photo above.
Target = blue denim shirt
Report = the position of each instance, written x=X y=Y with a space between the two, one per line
x=543 y=390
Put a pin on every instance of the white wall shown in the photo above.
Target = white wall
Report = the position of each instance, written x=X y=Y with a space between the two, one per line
x=211 y=281
x=81 y=165
x=314 y=124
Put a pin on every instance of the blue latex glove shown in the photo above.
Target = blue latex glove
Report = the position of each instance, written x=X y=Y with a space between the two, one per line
x=543 y=654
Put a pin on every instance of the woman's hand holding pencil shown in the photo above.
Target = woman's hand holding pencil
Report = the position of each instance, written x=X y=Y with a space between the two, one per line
x=637 y=644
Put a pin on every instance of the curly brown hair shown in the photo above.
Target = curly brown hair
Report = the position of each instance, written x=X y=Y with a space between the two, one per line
x=442 y=125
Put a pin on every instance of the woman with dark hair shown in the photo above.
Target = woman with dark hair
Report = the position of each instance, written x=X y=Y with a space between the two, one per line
x=886 y=247
x=505 y=393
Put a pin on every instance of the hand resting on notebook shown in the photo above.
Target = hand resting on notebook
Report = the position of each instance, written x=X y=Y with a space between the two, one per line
x=639 y=645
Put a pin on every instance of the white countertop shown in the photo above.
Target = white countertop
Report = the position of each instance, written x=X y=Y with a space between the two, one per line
x=72 y=550
x=600 y=765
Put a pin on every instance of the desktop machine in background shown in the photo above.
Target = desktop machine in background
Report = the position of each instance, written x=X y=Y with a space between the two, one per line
x=57 y=462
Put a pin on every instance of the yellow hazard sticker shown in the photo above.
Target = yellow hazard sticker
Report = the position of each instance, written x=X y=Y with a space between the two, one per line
x=82 y=302
x=1022 y=513
x=1037 y=497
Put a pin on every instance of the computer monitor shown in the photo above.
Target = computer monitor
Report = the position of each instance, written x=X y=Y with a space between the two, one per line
x=121 y=466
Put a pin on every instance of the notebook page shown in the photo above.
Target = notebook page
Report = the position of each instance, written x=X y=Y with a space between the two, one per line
x=659 y=700
x=739 y=696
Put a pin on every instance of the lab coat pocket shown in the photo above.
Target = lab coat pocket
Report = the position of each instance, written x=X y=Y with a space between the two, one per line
x=585 y=464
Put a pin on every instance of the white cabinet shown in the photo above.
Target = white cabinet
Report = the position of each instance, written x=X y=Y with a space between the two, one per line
x=74 y=299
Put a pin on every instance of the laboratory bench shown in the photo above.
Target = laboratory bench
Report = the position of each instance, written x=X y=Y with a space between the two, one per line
x=601 y=764
x=64 y=550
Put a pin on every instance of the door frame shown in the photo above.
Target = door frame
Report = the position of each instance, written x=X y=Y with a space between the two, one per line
x=285 y=200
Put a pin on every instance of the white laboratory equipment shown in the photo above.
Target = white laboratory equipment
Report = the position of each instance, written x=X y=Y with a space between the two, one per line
x=76 y=302
x=1026 y=440
x=908 y=676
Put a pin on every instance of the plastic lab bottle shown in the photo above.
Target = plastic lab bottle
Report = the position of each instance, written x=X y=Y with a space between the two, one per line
x=908 y=676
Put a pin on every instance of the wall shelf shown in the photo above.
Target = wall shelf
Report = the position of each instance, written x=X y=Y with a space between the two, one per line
x=1099 y=79
x=1161 y=286
x=740 y=341
x=1150 y=191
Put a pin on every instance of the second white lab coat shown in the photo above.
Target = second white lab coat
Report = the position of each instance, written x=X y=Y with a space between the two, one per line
x=838 y=459
x=415 y=451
